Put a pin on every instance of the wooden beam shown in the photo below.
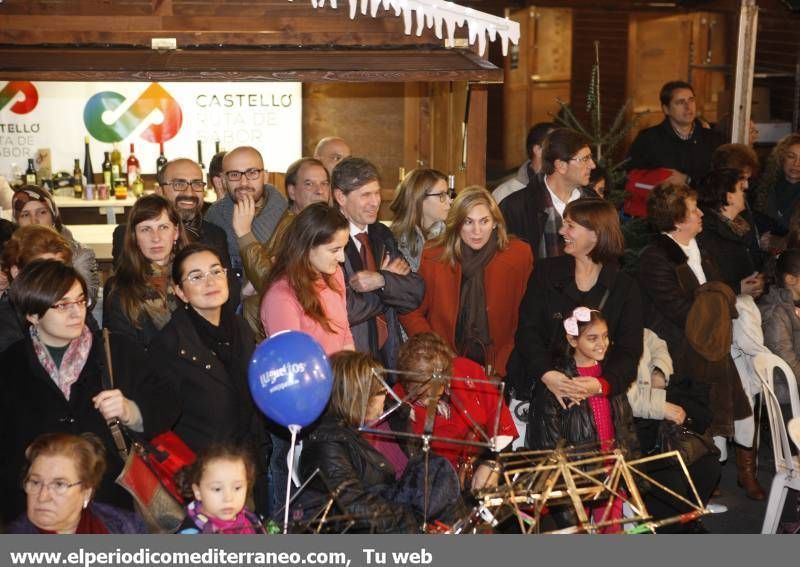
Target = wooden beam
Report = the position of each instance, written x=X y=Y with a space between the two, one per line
x=301 y=64
x=476 y=135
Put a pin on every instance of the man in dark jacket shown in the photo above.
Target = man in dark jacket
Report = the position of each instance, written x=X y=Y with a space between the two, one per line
x=680 y=142
x=534 y=213
x=181 y=181
x=379 y=281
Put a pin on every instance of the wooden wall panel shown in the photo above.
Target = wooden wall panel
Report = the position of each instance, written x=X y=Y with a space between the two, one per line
x=778 y=51
x=369 y=116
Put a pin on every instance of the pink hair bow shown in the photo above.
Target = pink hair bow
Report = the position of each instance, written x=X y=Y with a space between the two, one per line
x=582 y=314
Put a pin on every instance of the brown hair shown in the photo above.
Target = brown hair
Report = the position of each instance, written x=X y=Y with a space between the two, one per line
x=86 y=451
x=30 y=242
x=666 y=205
x=407 y=204
x=424 y=353
x=773 y=170
x=192 y=474
x=468 y=199
x=561 y=144
x=354 y=383
x=315 y=225
x=600 y=217
x=735 y=156
x=131 y=278
x=41 y=284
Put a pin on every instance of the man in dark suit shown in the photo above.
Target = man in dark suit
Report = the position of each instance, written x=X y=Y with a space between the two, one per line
x=181 y=181
x=379 y=281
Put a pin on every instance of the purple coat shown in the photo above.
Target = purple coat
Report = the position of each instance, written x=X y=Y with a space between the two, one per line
x=116 y=520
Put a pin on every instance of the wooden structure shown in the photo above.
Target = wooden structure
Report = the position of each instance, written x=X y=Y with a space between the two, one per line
x=399 y=100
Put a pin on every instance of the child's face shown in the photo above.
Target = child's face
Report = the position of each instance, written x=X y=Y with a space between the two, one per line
x=592 y=343
x=222 y=489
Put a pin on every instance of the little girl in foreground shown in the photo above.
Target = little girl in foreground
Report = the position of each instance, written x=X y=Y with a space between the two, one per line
x=220 y=480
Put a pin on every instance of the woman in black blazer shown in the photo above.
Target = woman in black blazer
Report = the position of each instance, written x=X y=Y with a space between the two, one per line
x=55 y=380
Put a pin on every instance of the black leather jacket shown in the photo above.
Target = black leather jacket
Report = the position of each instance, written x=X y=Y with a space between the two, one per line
x=354 y=473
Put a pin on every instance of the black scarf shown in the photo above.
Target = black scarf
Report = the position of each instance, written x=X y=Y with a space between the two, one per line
x=194 y=227
x=472 y=325
x=218 y=339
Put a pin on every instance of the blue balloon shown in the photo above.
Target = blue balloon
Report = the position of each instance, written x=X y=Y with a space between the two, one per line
x=290 y=378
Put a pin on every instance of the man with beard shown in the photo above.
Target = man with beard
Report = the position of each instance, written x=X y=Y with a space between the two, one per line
x=246 y=188
x=181 y=182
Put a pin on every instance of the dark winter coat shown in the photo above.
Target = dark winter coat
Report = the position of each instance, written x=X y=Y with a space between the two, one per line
x=32 y=404
x=551 y=296
x=115 y=520
x=736 y=256
x=352 y=470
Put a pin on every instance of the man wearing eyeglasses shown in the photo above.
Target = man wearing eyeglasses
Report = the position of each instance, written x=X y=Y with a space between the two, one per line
x=181 y=182
x=251 y=208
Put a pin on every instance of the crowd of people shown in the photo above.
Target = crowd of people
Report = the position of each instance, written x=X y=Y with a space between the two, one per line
x=498 y=321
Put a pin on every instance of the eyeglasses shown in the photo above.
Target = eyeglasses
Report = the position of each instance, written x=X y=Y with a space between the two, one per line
x=58 y=486
x=584 y=160
x=64 y=306
x=196 y=278
x=443 y=196
x=183 y=184
x=251 y=174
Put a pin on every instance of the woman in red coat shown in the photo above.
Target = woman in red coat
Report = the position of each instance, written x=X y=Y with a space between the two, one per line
x=475 y=278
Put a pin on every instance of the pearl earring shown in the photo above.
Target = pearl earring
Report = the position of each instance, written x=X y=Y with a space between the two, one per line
x=85 y=503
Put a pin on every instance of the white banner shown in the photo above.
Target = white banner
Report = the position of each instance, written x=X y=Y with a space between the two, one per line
x=56 y=116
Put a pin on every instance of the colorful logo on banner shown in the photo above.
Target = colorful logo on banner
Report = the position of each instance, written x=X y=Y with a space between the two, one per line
x=21 y=106
x=155 y=97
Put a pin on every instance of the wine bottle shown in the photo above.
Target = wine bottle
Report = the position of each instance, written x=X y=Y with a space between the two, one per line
x=162 y=159
x=133 y=169
x=30 y=173
x=77 y=179
x=107 y=169
x=200 y=155
x=88 y=171
x=451 y=185
x=216 y=147
x=116 y=165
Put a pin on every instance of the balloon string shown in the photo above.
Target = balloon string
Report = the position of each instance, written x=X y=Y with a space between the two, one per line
x=294 y=430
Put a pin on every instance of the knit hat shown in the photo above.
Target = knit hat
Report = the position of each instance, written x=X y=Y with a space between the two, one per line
x=28 y=193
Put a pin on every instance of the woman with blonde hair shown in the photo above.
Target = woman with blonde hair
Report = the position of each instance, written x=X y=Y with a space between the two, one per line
x=420 y=208
x=475 y=277
x=139 y=298
x=381 y=493
x=778 y=192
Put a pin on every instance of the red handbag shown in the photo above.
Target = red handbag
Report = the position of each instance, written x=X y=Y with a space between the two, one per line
x=637 y=189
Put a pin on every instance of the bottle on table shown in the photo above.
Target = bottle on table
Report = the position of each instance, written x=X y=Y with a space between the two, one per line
x=77 y=180
x=107 y=168
x=88 y=171
x=30 y=173
x=200 y=155
x=162 y=159
x=116 y=164
x=121 y=190
x=133 y=170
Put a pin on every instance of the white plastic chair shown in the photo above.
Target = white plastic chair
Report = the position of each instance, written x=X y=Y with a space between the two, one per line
x=794 y=431
x=787 y=467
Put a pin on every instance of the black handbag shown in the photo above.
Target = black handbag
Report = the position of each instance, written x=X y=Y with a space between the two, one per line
x=691 y=446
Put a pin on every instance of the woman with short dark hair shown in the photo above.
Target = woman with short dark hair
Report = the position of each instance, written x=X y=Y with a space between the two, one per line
x=55 y=379
x=673 y=272
x=587 y=275
x=63 y=473
x=728 y=234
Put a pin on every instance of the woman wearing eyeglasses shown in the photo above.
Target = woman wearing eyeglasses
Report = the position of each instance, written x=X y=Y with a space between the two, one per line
x=475 y=277
x=420 y=208
x=139 y=299
x=204 y=350
x=63 y=474
x=55 y=380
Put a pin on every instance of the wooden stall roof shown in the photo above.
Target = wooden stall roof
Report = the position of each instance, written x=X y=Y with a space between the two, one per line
x=237 y=64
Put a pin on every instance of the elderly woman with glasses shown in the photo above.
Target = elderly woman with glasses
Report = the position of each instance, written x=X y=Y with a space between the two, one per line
x=63 y=474
x=55 y=380
x=204 y=350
